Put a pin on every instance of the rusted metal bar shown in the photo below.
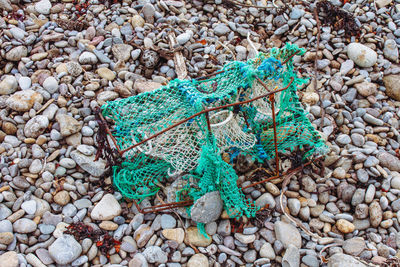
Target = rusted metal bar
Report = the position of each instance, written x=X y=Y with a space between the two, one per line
x=204 y=111
x=272 y=99
x=208 y=122
x=209 y=75
x=284 y=62
x=109 y=132
x=288 y=172
x=161 y=207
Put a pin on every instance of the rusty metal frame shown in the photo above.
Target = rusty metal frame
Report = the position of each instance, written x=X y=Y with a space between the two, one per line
x=270 y=95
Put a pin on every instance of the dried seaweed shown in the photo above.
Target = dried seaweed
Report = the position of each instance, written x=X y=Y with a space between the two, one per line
x=103 y=240
x=81 y=231
x=338 y=18
x=392 y=262
x=104 y=150
x=261 y=216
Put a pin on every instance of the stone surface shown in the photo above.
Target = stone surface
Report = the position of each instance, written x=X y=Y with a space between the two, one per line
x=198 y=260
x=354 y=246
x=267 y=251
x=366 y=88
x=291 y=257
x=176 y=234
x=24 y=100
x=68 y=125
x=95 y=168
x=36 y=126
x=65 y=249
x=9 y=259
x=154 y=254
x=43 y=7
x=88 y=58
x=392 y=84
x=391 y=50
x=106 y=209
x=287 y=234
x=121 y=52
x=340 y=259
x=389 y=161
x=106 y=74
x=345 y=226
x=195 y=238
x=375 y=213
x=208 y=208
x=16 y=53
x=8 y=85
x=362 y=55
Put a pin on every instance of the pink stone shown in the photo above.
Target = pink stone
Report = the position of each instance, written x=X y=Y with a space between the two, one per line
x=96 y=40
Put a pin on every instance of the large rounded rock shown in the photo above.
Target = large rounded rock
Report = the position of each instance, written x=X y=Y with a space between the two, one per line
x=50 y=85
x=194 y=237
x=74 y=68
x=88 y=163
x=43 y=7
x=122 y=51
x=65 y=249
x=390 y=51
x=375 y=213
x=9 y=259
x=366 y=88
x=6 y=5
x=198 y=260
x=36 y=126
x=208 y=208
x=68 y=124
x=362 y=55
x=137 y=21
x=106 y=209
x=24 y=100
x=340 y=259
x=8 y=85
x=345 y=226
x=291 y=257
x=87 y=58
x=17 y=53
x=389 y=161
x=24 y=226
x=155 y=254
x=287 y=234
x=392 y=84
x=354 y=246
x=176 y=234
x=221 y=29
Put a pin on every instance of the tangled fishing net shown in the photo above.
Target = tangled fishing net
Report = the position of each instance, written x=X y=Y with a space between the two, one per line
x=193 y=149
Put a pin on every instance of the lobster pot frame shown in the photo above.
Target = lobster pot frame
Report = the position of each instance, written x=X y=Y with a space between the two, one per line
x=185 y=127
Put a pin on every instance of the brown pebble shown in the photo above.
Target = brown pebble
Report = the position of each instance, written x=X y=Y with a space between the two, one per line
x=9 y=128
x=29 y=140
x=62 y=198
x=108 y=225
x=4 y=188
x=41 y=140
x=37 y=219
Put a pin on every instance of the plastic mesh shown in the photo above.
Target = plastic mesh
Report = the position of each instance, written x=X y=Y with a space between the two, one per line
x=191 y=148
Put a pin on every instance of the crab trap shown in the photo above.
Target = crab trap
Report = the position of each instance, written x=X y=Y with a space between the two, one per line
x=183 y=129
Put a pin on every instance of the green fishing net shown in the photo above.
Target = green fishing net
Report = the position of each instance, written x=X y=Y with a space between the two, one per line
x=193 y=149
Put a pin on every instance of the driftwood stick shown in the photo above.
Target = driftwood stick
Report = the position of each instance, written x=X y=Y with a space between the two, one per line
x=179 y=60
